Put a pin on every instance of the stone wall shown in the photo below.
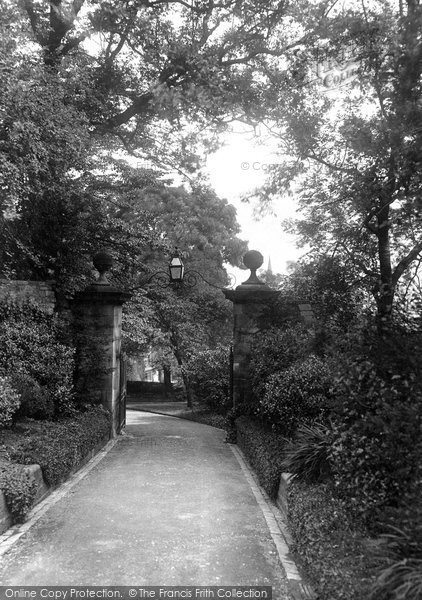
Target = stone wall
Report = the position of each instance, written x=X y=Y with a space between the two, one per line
x=41 y=292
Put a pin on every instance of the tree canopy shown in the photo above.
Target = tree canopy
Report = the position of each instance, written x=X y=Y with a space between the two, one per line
x=72 y=183
x=352 y=155
x=103 y=103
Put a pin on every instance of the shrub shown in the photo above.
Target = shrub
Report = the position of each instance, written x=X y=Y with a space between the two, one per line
x=62 y=445
x=30 y=347
x=19 y=490
x=377 y=443
x=297 y=395
x=263 y=449
x=376 y=460
x=330 y=547
x=306 y=458
x=9 y=402
x=208 y=373
x=401 y=554
x=36 y=402
x=274 y=350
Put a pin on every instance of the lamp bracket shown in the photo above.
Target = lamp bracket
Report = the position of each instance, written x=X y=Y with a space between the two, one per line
x=190 y=280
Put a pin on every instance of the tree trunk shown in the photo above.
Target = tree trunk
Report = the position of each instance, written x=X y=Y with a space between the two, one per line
x=386 y=290
x=185 y=377
x=167 y=379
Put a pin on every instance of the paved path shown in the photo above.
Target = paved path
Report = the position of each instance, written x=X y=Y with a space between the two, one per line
x=164 y=408
x=169 y=504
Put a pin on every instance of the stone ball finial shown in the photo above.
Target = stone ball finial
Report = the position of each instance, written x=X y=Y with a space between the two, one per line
x=253 y=260
x=103 y=262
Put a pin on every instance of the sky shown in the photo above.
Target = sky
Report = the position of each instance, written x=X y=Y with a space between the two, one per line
x=237 y=168
x=240 y=166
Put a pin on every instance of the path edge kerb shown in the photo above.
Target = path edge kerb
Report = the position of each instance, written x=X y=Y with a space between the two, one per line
x=276 y=523
x=12 y=535
x=42 y=490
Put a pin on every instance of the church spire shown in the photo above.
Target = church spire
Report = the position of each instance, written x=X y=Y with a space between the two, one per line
x=269 y=269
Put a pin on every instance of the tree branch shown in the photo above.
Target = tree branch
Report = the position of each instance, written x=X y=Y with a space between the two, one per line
x=260 y=52
x=413 y=277
x=406 y=261
x=142 y=104
x=76 y=6
x=359 y=263
x=320 y=160
x=29 y=7
x=367 y=222
x=73 y=43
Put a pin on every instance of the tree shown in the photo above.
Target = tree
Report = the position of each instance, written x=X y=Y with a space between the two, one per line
x=156 y=80
x=76 y=196
x=165 y=70
x=53 y=219
x=355 y=155
x=154 y=75
x=179 y=320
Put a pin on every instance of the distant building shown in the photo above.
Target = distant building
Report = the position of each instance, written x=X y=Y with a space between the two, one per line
x=146 y=367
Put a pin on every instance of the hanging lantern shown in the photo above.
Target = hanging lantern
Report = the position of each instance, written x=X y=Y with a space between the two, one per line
x=176 y=268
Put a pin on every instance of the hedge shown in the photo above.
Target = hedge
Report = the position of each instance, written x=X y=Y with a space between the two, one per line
x=62 y=445
x=9 y=402
x=40 y=365
x=264 y=450
x=333 y=552
x=19 y=490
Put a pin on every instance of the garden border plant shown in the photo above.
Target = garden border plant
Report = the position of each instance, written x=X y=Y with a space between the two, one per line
x=263 y=449
x=334 y=553
x=62 y=445
x=354 y=450
x=19 y=490
x=36 y=356
x=208 y=373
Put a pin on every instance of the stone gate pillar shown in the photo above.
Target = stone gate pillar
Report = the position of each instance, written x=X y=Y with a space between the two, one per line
x=97 y=312
x=250 y=299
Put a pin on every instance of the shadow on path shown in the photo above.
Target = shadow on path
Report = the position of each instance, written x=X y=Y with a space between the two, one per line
x=164 y=408
x=168 y=505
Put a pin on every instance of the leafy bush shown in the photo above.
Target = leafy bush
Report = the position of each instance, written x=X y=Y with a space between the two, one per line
x=377 y=442
x=61 y=446
x=9 y=402
x=401 y=554
x=331 y=549
x=274 y=350
x=263 y=449
x=30 y=347
x=297 y=395
x=36 y=402
x=19 y=490
x=306 y=458
x=208 y=373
